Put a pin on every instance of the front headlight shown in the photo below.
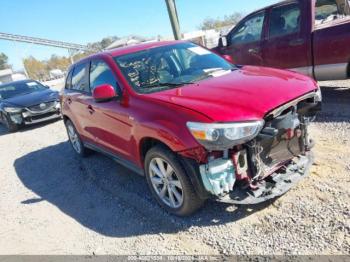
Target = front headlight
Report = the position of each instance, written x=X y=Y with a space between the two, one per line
x=9 y=109
x=224 y=136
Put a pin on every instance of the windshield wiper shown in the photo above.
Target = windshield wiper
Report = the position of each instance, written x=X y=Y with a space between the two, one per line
x=167 y=84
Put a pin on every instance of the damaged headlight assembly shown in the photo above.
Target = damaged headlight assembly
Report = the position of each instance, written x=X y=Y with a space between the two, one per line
x=218 y=175
x=222 y=136
x=14 y=114
x=13 y=110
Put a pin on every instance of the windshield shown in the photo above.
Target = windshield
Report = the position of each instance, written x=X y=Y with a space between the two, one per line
x=170 y=66
x=20 y=88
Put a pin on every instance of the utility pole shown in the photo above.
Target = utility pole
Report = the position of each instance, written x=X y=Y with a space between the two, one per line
x=174 y=19
x=71 y=56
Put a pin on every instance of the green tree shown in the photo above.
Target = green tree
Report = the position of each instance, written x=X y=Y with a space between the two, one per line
x=40 y=70
x=217 y=23
x=36 y=69
x=57 y=62
x=3 y=61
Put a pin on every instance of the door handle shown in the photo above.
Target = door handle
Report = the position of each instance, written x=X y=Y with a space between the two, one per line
x=91 y=109
x=296 y=42
x=254 y=51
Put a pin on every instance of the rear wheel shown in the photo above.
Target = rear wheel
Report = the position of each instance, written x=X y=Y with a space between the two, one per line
x=169 y=182
x=75 y=139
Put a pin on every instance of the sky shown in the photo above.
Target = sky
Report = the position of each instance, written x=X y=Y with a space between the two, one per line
x=84 y=21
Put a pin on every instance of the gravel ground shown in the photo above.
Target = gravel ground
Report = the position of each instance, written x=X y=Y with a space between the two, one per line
x=53 y=202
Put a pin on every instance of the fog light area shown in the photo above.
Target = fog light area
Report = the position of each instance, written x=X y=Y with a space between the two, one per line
x=17 y=118
x=218 y=176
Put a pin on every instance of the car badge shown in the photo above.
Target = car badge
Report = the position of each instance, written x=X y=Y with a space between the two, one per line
x=42 y=106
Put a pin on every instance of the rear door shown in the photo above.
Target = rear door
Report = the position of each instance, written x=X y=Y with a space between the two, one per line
x=244 y=42
x=78 y=98
x=288 y=42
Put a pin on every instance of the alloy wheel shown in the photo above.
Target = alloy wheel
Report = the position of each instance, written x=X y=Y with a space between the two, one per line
x=165 y=182
x=74 y=138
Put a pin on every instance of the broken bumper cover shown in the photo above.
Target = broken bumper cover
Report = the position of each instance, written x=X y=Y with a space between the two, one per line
x=42 y=117
x=275 y=185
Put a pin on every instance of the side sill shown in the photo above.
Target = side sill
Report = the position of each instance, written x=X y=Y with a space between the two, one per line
x=331 y=72
x=116 y=158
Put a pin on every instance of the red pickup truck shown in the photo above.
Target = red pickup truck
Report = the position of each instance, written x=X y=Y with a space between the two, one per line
x=308 y=36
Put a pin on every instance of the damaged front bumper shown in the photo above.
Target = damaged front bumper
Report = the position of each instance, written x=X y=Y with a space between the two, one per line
x=267 y=166
x=220 y=180
x=274 y=185
x=34 y=114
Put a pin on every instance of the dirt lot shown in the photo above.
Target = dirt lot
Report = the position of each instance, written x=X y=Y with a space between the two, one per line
x=53 y=202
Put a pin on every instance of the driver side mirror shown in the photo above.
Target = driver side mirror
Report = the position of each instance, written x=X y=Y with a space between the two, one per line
x=104 y=93
x=222 y=41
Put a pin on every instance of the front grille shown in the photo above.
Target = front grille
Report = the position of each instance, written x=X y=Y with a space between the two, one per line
x=42 y=107
x=277 y=150
x=38 y=117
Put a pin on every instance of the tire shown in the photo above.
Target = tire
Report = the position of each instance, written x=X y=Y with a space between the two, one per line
x=75 y=140
x=11 y=127
x=173 y=180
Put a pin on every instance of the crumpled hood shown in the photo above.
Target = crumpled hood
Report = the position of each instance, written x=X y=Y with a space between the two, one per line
x=245 y=94
x=32 y=98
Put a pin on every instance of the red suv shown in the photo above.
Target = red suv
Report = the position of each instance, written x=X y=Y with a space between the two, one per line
x=195 y=125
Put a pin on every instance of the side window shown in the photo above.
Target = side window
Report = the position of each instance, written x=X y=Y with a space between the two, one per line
x=284 y=20
x=249 y=31
x=100 y=73
x=79 y=78
x=69 y=80
x=329 y=10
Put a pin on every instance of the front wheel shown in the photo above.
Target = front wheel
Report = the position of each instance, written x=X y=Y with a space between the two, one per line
x=169 y=182
x=11 y=127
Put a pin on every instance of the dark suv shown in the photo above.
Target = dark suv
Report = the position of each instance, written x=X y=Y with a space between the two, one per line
x=195 y=125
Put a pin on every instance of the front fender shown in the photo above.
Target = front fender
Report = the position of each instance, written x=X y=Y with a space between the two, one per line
x=166 y=123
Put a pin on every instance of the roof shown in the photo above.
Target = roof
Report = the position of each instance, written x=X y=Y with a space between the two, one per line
x=129 y=49
x=276 y=4
x=139 y=47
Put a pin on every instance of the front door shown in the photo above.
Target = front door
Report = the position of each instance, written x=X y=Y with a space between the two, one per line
x=112 y=127
x=286 y=44
x=244 y=42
